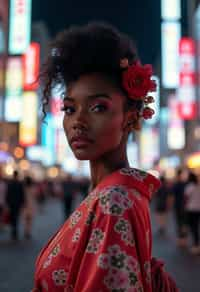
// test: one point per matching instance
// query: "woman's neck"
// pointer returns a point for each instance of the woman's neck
(105, 166)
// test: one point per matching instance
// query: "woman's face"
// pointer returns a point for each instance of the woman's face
(93, 117)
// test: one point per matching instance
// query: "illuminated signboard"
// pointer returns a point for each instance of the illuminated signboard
(171, 33)
(39, 153)
(13, 108)
(187, 79)
(14, 76)
(13, 84)
(28, 123)
(176, 130)
(149, 147)
(171, 9)
(48, 138)
(20, 26)
(31, 61)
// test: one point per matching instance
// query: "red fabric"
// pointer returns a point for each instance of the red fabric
(161, 280)
(105, 245)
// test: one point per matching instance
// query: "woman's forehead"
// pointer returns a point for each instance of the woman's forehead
(91, 84)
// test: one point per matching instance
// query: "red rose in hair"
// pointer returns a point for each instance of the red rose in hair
(136, 80)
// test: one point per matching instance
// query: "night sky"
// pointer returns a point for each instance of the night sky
(138, 18)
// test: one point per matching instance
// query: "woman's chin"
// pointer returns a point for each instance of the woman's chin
(82, 155)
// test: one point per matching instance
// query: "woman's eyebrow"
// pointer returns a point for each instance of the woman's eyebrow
(99, 95)
(67, 98)
(92, 96)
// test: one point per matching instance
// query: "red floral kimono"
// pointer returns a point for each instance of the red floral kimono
(105, 245)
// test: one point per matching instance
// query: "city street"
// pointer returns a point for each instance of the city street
(17, 260)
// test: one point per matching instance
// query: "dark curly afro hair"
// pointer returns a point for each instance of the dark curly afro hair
(94, 48)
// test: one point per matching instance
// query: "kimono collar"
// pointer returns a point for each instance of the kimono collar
(143, 182)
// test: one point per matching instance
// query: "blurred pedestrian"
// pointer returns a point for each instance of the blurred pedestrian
(29, 206)
(15, 201)
(42, 187)
(69, 192)
(179, 207)
(161, 204)
(192, 206)
(105, 245)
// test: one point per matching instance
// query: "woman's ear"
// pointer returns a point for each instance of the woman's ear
(131, 120)
(128, 120)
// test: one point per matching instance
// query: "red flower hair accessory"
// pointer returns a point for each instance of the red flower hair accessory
(137, 82)
(147, 113)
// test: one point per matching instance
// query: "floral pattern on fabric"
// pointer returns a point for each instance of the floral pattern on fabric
(54, 253)
(95, 241)
(106, 255)
(123, 227)
(76, 235)
(123, 270)
(74, 218)
(136, 173)
(59, 277)
(114, 200)
(90, 218)
(88, 200)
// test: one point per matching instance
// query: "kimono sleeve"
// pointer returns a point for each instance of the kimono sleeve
(111, 261)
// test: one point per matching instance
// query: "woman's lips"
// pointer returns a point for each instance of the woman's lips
(81, 142)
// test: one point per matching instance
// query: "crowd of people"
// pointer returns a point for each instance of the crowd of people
(22, 198)
(182, 197)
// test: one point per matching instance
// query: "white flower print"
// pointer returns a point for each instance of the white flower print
(136, 173)
(117, 279)
(96, 239)
(59, 277)
(123, 227)
(76, 235)
(114, 200)
(132, 264)
(104, 261)
(90, 218)
(47, 262)
(123, 270)
(54, 253)
(74, 218)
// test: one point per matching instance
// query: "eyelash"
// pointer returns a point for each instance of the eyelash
(66, 108)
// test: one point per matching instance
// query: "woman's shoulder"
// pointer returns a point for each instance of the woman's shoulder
(127, 179)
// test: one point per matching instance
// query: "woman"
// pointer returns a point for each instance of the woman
(192, 207)
(105, 245)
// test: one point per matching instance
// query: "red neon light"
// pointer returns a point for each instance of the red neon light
(31, 62)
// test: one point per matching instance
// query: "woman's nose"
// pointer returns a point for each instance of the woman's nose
(81, 120)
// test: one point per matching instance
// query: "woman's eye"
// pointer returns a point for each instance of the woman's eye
(99, 108)
(68, 110)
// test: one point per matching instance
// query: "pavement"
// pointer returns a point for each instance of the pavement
(17, 259)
